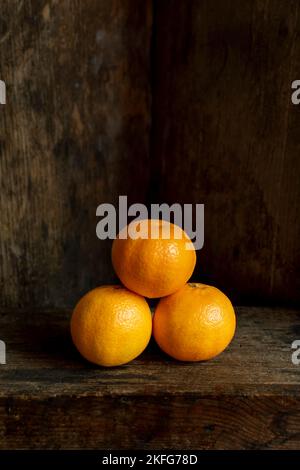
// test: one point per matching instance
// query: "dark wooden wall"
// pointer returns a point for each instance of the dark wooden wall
(85, 80)
(226, 134)
(74, 134)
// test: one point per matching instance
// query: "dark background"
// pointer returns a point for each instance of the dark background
(163, 101)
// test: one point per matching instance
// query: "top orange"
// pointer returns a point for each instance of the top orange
(153, 257)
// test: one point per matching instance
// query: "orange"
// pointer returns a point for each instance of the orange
(111, 325)
(157, 263)
(194, 324)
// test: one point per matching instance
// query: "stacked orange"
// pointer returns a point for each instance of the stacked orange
(111, 325)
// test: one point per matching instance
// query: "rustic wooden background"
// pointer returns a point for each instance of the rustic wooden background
(160, 100)
(74, 134)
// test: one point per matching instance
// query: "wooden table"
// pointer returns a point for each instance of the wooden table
(247, 398)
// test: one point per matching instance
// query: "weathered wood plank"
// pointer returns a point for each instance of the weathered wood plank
(74, 134)
(227, 135)
(151, 423)
(246, 398)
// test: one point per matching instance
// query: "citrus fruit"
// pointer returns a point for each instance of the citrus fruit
(111, 325)
(153, 257)
(194, 324)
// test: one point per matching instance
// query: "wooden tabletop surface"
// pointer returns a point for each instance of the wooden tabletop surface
(248, 397)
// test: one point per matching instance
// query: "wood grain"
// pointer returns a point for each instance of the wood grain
(226, 134)
(74, 134)
(247, 398)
